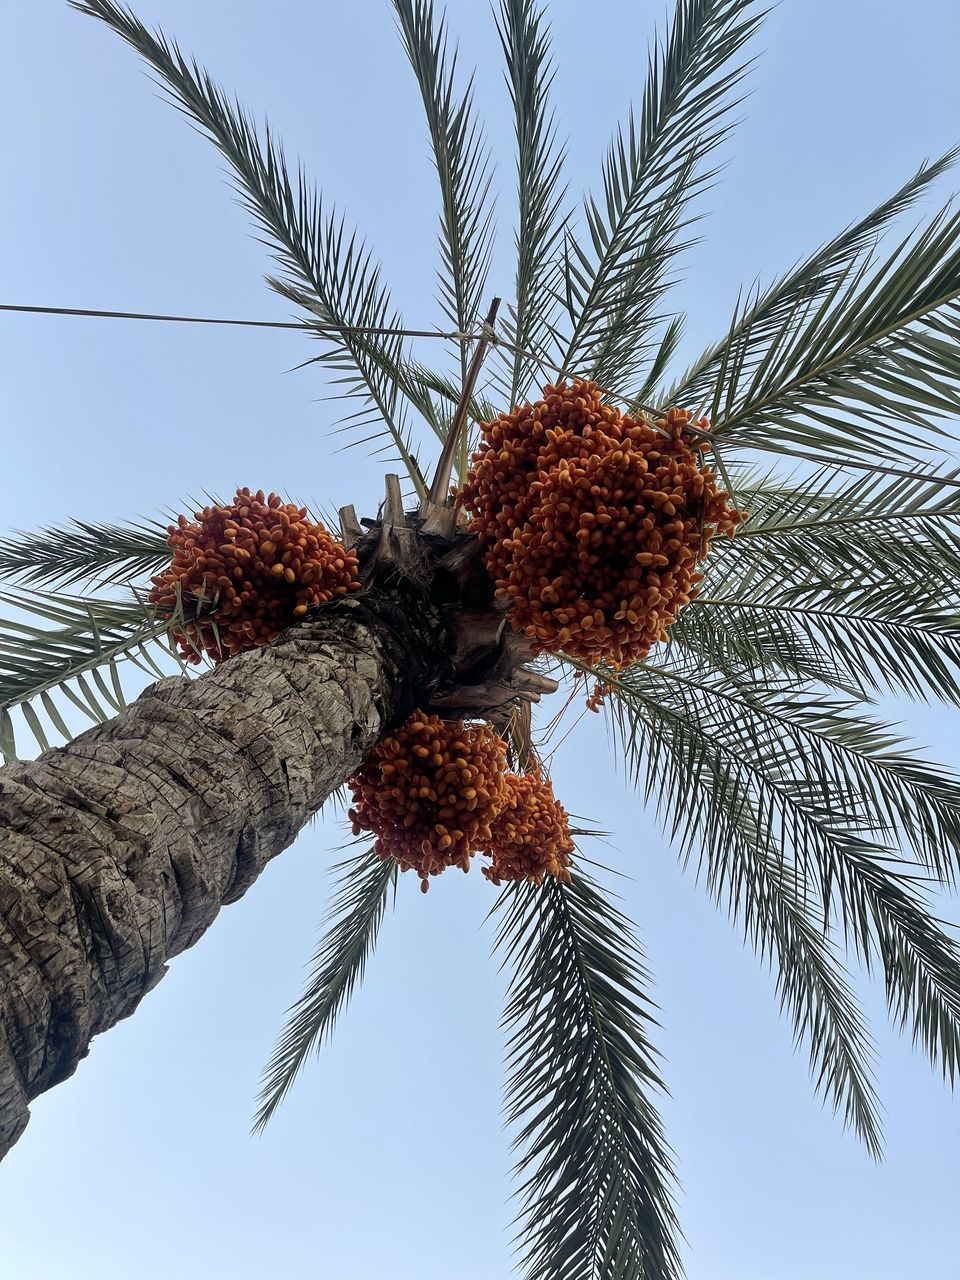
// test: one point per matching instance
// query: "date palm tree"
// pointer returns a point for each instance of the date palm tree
(818, 829)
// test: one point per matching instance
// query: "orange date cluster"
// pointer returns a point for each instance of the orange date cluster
(245, 572)
(430, 791)
(435, 792)
(530, 837)
(594, 521)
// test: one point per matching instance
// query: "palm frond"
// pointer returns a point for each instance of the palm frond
(327, 269)
(864, 766)
(360, 897)
(81, 550)
(920, 961)
(850, 636)
(647, 391)
(746, 874)
(652, 171)
(596, 1176)
(764, 643)
(462, 162)
(871, 367)
(479, 408)
(525, 39)
(77, 653)
(417, 381)
(758, 322)
(834, 794)
(852, 586)
(864, 525)
(902, 532)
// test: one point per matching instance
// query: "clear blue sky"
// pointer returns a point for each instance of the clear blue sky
(389, 1159)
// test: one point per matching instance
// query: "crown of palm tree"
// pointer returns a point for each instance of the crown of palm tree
(819, 830)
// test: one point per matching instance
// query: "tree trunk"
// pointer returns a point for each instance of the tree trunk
(118, 850)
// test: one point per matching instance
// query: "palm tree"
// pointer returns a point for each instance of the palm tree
(811, 822)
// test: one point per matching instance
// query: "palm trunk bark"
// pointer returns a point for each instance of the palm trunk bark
(118, 850)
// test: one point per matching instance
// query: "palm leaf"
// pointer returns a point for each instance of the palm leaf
(78, 658)
(327, 268)
(81, 550)
(829, 794)
(652, 171)
(870, 367)
(885, 531)
(596, 1177)
(647, 391)
(882, 528)
(360, 898)
(525, 40)
(746, 874)
(847, 635)
(852, 586)
(463, 166)
(757, 323)
(862, 576)
(864, 767)
(479, 408)
(764, 643)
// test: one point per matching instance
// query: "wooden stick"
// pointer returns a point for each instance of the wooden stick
(397, 544)
(437, 496)
(351, 530)
(393, 514)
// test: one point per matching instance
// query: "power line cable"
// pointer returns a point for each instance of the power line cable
(483, 331)
(538, 358)
(257, 324)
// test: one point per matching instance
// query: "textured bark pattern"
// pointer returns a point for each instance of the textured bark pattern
(117, 851)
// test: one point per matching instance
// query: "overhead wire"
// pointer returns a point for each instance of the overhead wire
(452, 336)
(311, 325)
(482, 331)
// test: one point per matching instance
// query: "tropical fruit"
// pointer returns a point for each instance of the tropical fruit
(244, 572)
(429, 791)
(594, 521)
(530, 837)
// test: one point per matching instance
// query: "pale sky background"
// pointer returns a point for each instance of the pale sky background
(389, 1159)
